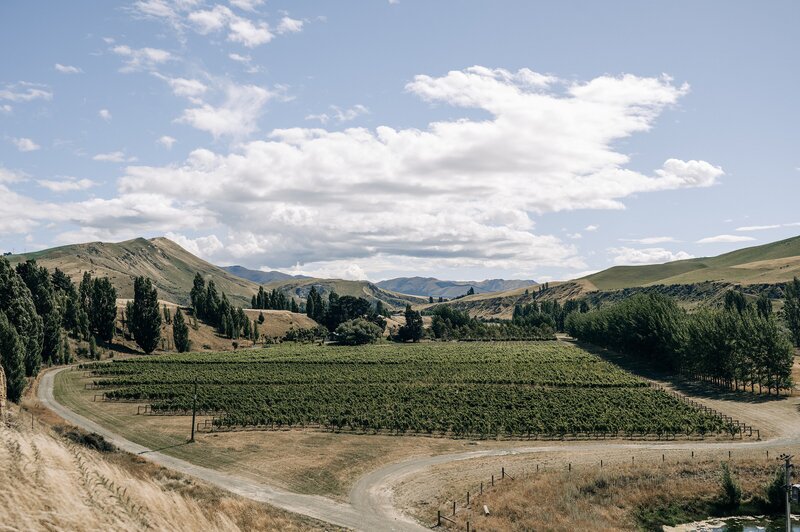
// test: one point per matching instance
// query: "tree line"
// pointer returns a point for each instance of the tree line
(213, 307)
(737, 346)
(273, 300)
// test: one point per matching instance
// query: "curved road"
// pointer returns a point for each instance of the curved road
(371, 505)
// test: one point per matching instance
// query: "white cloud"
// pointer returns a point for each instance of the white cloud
(236, 116)
(591, 228)
(626, 255)
(240, 29)
(167, 141)
(204, 247)
(650, 240)
(341, 115)
(192, 89)
(10, 176)
(66, 185)
(240, 58)
(141, 58)
(25, 92)
(5, 108)
(246, 5)
(459, 192)
(766, 227)
(67, 69)
(725, 238)
(113, 157)
(575, 236)
(289, 25)
(105, 114)
(25, 144)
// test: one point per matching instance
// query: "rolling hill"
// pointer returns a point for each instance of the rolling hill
(171, 267)
(772, 263)
(429, 286)
(693, 282)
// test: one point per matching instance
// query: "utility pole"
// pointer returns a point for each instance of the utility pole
(787, 461)
(194, 409)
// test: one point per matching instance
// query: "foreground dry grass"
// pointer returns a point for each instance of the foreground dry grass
(48, 482)
(623, 497)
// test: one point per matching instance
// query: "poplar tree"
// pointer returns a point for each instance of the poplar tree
(145, 315)
(180, 332)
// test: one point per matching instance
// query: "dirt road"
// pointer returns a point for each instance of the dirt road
(372, 505)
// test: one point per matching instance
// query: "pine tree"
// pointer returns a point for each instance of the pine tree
(294, 307)
(198, 295)
(12, 359)
(180, 332)
(145, 317)
(256, 334)
(167, 315)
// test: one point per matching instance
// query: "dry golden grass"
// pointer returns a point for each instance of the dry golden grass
(50, 483)
(607, 499)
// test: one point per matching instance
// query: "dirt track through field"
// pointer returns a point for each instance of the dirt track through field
(372, 499)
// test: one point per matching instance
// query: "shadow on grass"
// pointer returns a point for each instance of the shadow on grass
(679, 383)
(165, 448)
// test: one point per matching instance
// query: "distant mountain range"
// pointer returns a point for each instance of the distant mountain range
(429, 286)
(261, 277)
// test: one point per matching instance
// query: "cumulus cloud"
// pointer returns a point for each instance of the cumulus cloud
(25, 144)
(591, 228)
(236, 116)
(105, 114)
(725, 239)
(68, 184)
(67, 69)
(141, 58)
(204, 247)
(10, 176)
(167, 141)
(457, 193)
(626, 255)
(240, 29)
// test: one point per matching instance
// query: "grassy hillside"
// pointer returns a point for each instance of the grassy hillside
(693, 282)
(776, 262)
(171, 267)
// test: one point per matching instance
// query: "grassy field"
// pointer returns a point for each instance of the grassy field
(56, 480)
(462, 390)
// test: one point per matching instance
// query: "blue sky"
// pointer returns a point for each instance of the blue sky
(374, 139)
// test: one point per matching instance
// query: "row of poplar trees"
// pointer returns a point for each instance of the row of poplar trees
(740, 345)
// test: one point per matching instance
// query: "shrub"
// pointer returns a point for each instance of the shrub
(357, 332)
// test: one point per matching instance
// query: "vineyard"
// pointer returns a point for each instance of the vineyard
(479, 390)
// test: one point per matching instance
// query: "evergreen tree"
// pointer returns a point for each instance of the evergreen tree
(93, 353)
(412, 330)
(256, 334)
(167, 315)
(145, 317)
(471, 291)
(735, 300)
(791, 309)
(180, 332)
(764, 305)
(17, 302)
(66, 352)
(12, 359)
(103, 309)
(294, 307)
(430, 299)
(260, 317)
(38, 281)
(198, 295)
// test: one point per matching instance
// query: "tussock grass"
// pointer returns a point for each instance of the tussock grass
(50, 482)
